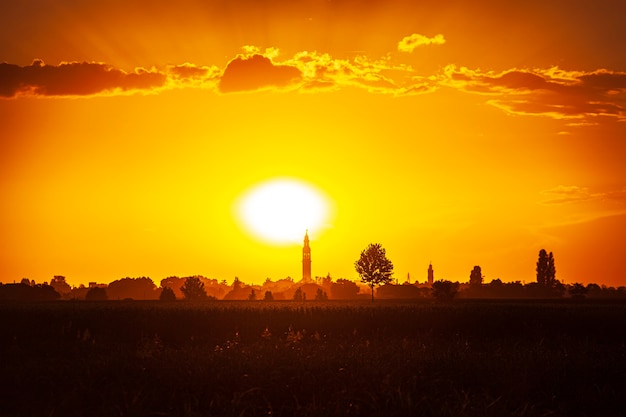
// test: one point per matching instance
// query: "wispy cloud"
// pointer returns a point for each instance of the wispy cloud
(322, 71)
(415, 40)
(574, 194)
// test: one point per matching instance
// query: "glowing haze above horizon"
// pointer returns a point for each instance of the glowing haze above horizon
(138, 138)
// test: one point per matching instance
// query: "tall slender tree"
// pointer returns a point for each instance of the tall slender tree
(542, 268)
(551, 271)
(373, 266)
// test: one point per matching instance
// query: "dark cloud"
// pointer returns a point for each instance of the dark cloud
(519, 79)
(604, 80)
(551, 92)
(255, 72)
(72, 79)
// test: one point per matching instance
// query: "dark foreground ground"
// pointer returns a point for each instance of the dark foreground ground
(468, 358)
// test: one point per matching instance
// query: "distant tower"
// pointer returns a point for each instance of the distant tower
(306, 259)
(431, 274)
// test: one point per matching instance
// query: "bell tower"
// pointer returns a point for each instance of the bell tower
(306, 259)
(431, 274)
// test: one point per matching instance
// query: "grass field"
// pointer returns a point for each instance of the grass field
(467, 358)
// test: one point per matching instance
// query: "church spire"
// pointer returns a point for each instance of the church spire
(306, 259)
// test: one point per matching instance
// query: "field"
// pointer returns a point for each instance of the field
(467, 358)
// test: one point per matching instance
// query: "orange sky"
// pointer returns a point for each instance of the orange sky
(462, 134)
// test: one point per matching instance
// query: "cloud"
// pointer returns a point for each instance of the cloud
(409, 43)
(73, 79)
(189, 72)
(307, 71)
(567, 194)
(548, 92)
(189, 75)
(579, 98)
(254, 72)
(322, 71)
(574, 194)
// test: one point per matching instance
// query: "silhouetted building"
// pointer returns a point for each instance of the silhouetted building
(306, 259)
(431, 274)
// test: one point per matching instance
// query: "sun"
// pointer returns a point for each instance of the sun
(280, 210)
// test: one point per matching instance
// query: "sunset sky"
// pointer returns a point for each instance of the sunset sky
(453, 132)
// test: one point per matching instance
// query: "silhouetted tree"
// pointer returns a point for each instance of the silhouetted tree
(96, 294)
(141, 288)
(558, 289)
(373, 266)
(59, 285)
(321, 295)
(476, 277)
(344, 289)
(578, 291)
(405, 291)
(327, 281)
(542, 267)
(268, 296)
(167, 294)
(252, 296)
(299, 295)
(45, 292)
(546, 271)
(28, 292)
(551, 272)
(445, 290)
(193, 289)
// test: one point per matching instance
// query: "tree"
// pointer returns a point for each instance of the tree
(96, 294)
(542, 267)
(60, 285)
(167, 294)
(321, 295)
(193, 289)
(578, 291)
(344, 289)
(373, 266)
(476, 277)
(252, 296)
(546, 271)
(141, 288)
(445, 290)
(268, 296)
(551, 271)
(299, 295)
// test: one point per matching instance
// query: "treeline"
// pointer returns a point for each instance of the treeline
(200, 288)
(188, 288)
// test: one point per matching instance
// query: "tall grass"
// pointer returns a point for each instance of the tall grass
(466, 358)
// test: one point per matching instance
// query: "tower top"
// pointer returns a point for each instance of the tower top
(306, 259)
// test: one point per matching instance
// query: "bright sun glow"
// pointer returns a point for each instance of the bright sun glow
(280, 210)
